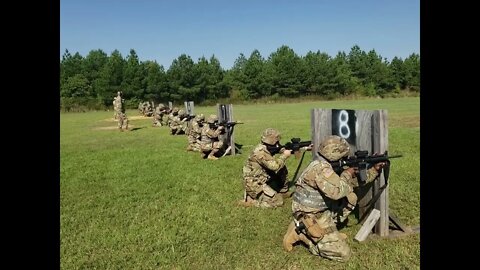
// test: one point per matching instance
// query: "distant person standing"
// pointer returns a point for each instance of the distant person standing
(120, 110)
(115, 109)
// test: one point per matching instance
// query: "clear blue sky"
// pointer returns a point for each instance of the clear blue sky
(162, 30)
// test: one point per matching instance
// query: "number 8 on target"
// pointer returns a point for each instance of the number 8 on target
(343, 125)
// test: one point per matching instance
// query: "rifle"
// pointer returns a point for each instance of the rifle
(188, 117)
(228, 127)
(228, 124)
(294, 144)
(363, 161)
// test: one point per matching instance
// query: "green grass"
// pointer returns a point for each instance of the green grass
(138, 200)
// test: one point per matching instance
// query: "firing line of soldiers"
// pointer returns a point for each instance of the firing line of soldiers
(205, 135)
(323, 198)
(145, 108)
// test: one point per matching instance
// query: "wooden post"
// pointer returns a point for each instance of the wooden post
(380, 145)
(189, 107)
(225, 114)
(364, 130)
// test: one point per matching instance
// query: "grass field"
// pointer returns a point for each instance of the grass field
(138, 200)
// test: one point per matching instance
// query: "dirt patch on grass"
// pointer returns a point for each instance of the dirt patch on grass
(136, 117)
(111, 127)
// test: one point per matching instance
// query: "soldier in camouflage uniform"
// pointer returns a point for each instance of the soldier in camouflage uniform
(120, 108)
(165, 112)
(178, 124)
(172, 115)
(210, 144)
(140, 107)
(158, 115)
(115, 113)
(194, 132)
(264, 176)
(148, 109)
(117, 104)
(323, 200)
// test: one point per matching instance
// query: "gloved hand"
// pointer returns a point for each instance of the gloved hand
(352, 199)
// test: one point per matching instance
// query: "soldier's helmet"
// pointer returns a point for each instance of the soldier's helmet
(200, 117)
(175, 110)
(334, 148)
(212, 119)
(271, 136)
(181, 112)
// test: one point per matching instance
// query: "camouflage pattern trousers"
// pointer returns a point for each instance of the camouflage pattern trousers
(122, 121)
(265, 201)
(333, 245)
(157, 120)
(193, 144)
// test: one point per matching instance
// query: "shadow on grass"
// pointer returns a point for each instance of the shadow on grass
(136, 128)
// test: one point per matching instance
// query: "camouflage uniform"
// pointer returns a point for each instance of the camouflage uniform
(117, 105)
(158, 115)
(264, 175)
(178, 124)
(194, 133)
(140, 108)
(172, 115)
(323, 199)
(148, 110)
(122, 116)
(115, 114)
(210, 144)
(165, 111)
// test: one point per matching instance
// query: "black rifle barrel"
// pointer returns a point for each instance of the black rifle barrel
(296, 145)
(353, 161)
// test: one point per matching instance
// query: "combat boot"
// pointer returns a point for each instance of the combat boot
(284, 189)
(248, 202)
(212, 157)
(290, 237)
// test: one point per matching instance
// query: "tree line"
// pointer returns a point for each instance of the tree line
(92, 81)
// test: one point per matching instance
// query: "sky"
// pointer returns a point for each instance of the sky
(162, 30)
